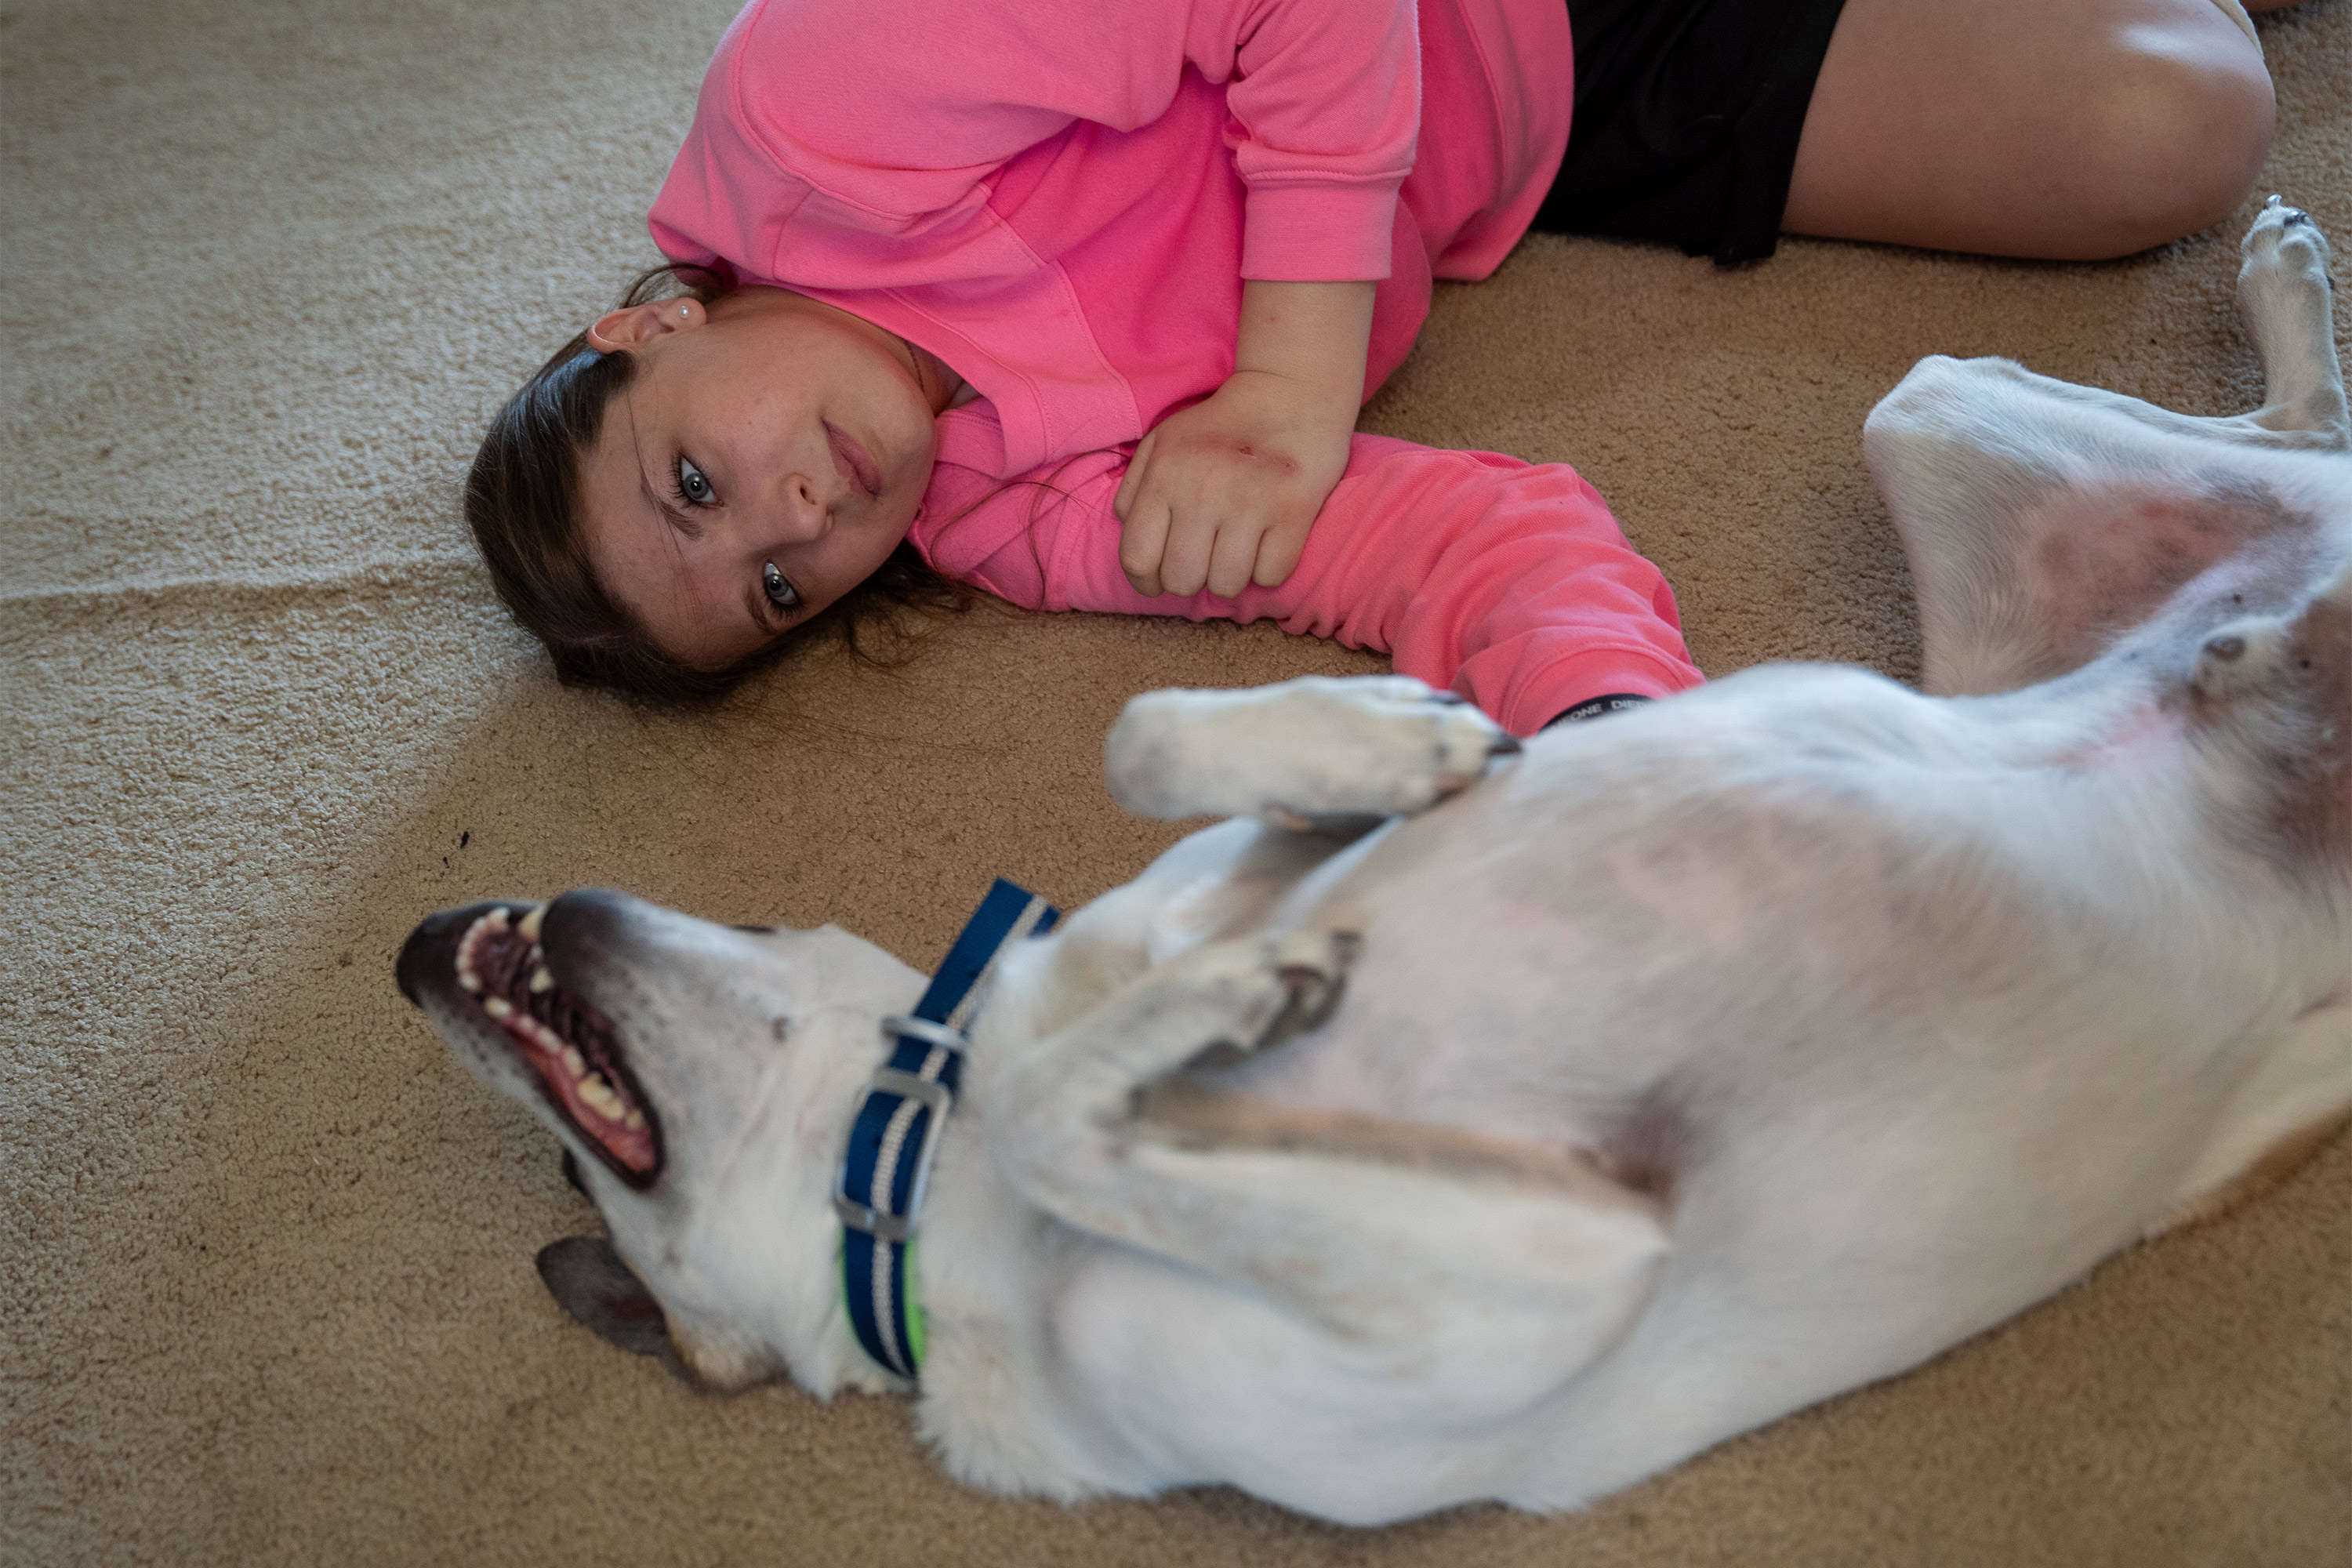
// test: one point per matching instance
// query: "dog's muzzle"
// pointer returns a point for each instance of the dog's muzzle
(495, 955)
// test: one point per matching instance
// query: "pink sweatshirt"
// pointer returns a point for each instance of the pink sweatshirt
(1061, 199)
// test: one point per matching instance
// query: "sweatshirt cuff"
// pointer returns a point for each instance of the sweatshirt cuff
(1320, 234)
(1553, 692)
(1600, 706)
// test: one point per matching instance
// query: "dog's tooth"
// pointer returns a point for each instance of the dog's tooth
(529, 925)
(498, 918)
(468, 980)
(573, 1063)
(498, 1007)
(598, 1093)
(635, 1121)
(541, 980)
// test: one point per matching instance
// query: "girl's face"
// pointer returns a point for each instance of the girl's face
(769, 453)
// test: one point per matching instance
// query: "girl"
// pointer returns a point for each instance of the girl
(1077, 303)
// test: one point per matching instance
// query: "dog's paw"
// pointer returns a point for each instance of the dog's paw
(1302, 754)
(1312, 967)
(2284, 250)
(2284, 233)
(1259, 991)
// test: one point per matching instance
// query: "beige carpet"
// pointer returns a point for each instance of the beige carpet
(267, 1251)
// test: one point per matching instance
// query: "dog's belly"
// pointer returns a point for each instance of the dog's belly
(1910, 956)
(1599, 936)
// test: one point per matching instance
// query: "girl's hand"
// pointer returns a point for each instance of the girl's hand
(1221, 494)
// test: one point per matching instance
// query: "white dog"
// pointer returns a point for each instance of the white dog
(1692, 1065)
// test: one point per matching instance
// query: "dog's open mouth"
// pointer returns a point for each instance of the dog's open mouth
(565, 1041)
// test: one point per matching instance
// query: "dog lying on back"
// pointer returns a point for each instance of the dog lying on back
(1464, 1122)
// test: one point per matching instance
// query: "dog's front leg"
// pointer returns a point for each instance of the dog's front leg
(1379, 1235)
(1316, 752)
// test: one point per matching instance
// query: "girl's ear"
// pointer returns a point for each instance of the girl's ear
(642, 323)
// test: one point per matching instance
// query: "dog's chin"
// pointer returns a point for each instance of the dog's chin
(567, 1050)
(722, 1365)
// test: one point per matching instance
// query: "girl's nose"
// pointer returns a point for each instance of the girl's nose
(800, 511)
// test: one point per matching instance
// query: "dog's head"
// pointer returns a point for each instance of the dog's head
(703, 1077)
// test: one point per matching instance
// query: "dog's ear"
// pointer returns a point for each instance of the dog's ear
(589, 1281)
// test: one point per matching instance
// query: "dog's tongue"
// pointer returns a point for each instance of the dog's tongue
(630, 1146)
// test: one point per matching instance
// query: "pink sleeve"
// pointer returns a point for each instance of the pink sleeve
(852, 145)
(1507, 582)
(1326, 116)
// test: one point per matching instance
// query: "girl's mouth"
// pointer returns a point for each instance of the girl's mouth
(855, 463)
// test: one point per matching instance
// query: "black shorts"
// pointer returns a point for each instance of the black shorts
(1687, 119)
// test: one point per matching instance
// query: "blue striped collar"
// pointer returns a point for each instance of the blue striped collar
(902, 1113)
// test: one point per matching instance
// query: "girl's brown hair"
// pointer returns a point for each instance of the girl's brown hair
(522, 500)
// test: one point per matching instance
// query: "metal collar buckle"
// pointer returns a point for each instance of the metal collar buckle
(932, 1095)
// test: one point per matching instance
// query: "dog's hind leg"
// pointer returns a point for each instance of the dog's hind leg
(1366, 1230)
(2285, 299)
(1316, 752)
(2286, 1110)
(2041, 519)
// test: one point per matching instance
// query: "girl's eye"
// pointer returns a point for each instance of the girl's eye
(692, 483)
(780, 593)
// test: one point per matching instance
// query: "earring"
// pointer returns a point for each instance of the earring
(682, 310)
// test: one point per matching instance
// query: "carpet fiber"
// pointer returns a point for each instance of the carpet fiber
(267, 1250)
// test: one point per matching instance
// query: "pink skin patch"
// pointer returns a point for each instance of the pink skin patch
(2134, 736)
(2171, 561)
(2100, 561)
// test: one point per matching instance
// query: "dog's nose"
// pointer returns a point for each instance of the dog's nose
(587, 923)
(412, 954)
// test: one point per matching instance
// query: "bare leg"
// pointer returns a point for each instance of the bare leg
(2068, 128)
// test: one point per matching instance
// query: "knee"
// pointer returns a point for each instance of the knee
(2172, 138)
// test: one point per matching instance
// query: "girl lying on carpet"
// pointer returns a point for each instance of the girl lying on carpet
(1077, 303)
